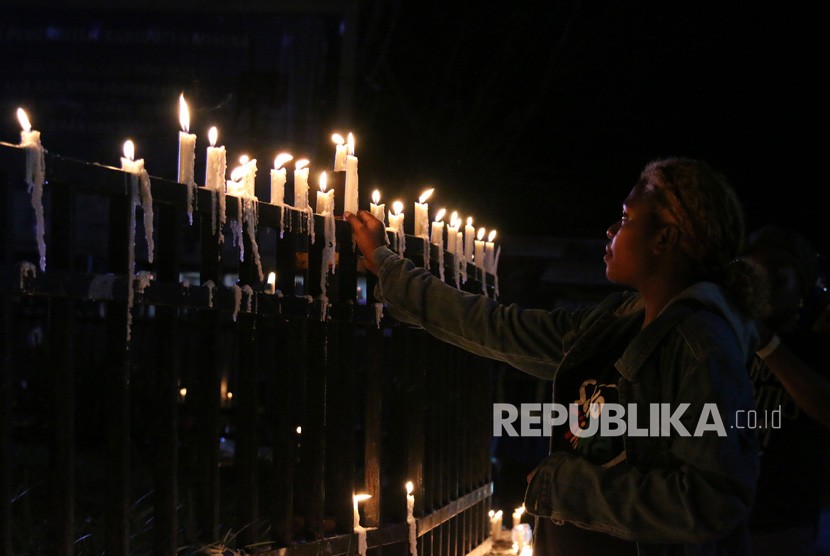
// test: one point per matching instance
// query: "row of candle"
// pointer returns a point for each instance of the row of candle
(468, 245)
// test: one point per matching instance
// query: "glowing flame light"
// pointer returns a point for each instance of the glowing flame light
(440, 215)
(213, 135)
(480, 234)
(454, 221)
(360, 498)
(337, 139)
(244, 159)
(425, 195)
(184, 114)
(323, 182)
(409, 487)
(272, 278)
(397, 207)
(281, 159)
(376, 196)
(300, 164)
(470, 221)
(351, 144)
(237, 173)
(129, 150)
(24, 120)
(491, 236)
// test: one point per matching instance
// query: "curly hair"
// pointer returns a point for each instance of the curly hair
(700, 202)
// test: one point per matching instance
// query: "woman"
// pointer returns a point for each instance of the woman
(678, 488)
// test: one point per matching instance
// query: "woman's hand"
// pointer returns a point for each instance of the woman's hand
(369, 233)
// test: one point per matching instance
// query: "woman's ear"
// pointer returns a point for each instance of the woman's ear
(666, 238)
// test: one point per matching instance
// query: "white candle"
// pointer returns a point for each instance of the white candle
(478, 257)
(187, 156)
(339, 152)
(422, 215)
(301, 184)
(469, 237)
(361, 531)
(377, 208)
(249, 179)
(437, 234)
(35, 178)
(490, 253)
(325, 199)
(410, 519)
(278, 178)
(216, 163)
(452, 232)
(517, 516)
(143, 192)
(495, 524)
(215, 177)
(396, 225)
(272, 282)
(350, 200)
(325, 206)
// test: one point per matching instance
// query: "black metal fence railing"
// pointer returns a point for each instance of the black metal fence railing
(232, 416)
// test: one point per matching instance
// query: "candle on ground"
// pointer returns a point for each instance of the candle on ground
(339, 152)
(301, 184)
(278, 179)
(478, 256)
(377, 208)
(35, 178)
(187, 156)
(410, 519)
(350, 200)
(495, 524)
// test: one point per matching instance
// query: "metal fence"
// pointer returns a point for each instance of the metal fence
(162, 415)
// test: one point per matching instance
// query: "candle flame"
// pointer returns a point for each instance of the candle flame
(480, 234)
(351, 144)
(440, 215)
(470, 221)
(184, 114)
(519, 511)
(300, 164)
(244, 159)
(129, 150)
(499, 513)
(337, 138)
(323, 181)
(281, 159)
(425, 195)
(376, 196)
(299, 430)
(492, 514)
(272, 278)
(361, 497)
(491, 236)
(229, 395)
(409, 487)
(24, 120)
(454, 218)
(183, 392)
(213, 135)
(397, 206)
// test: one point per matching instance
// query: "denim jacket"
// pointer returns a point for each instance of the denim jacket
(673, 494)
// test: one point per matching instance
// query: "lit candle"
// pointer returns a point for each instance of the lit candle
(339, 152)
(35, 178)
(236, 185)
(361, 531)
(517, 519)
(249, 179)
(490, 253)
(378, 210)
(438, 229)
(140, 190)
(301, 184)
(272, 282)
(478, 257)
(452, 231)
(469, 237)
(187, 156)
(325, 199)
(410, 519)
(396, 225)
(495, 524)
(422, 215)
(278, 178)
(350, 200)
(215, 178)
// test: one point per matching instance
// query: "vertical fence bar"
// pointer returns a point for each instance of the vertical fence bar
(284, 393)
(62, 370)
(313, 448)
(6, 349)
(373, 421)
(167, 376)
(117, 383)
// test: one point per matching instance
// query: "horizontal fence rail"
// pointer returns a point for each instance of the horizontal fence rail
(185, 405)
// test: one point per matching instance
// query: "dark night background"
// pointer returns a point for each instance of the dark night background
(534, 117)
